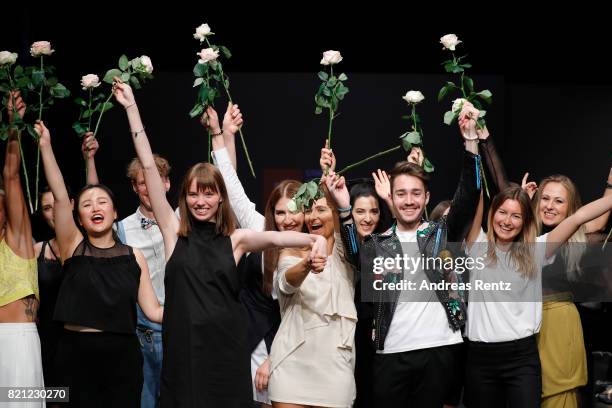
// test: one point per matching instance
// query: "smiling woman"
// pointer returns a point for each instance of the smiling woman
(104, 280)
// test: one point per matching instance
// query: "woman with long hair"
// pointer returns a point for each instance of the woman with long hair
(206, 358)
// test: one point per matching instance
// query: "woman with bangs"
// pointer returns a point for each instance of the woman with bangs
(206, 358)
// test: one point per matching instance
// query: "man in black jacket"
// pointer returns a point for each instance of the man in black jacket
(413, 334)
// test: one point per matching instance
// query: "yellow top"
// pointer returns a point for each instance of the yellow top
(18, 276)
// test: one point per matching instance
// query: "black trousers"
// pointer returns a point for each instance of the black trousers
(418, 378)
(506, 374)
(101, 369)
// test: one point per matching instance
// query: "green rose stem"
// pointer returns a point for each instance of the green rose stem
(25, 170)
(246, 151)
(89, 130)
(40, 109)
(331, 113)
(359, 163)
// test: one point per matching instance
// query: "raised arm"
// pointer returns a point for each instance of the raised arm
(338, 191)
(242, 206)
(492, 160)
(89, 148)
(476, 224)
(66, 232)
(465, 200)
(18, 227)
(164, 214)
(570, 225)
(600, 222)
(146, 295)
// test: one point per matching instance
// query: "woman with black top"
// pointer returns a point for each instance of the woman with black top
(206, 358)
(98, 354)
(50, 273)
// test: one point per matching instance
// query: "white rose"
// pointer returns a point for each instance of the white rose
(413, 97)
(458, 105)
(331, 57)
(7, 58)
(41, 48)
(146, 64)
(201, 32)
(90, 81)
(450, 41)
(207, 54)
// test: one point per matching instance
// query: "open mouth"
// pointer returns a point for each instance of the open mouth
(201, 211)
(316, 227)
(505, 229)
(97, 219)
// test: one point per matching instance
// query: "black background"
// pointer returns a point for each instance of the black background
(549, 75)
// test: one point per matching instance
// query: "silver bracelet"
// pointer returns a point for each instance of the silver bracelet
(129, 106)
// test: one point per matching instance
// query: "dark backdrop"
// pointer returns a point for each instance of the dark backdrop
(550, 84)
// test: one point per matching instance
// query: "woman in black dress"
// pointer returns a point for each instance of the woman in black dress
(206, 357)
(98, 355)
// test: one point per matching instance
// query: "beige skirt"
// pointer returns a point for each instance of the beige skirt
(318, 372)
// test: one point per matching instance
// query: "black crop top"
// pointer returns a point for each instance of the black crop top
(100, 288)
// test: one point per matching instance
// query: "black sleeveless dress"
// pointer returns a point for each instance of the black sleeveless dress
(50, 275)
(206, 358)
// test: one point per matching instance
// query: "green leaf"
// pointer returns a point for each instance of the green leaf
(18, 71)
(332, 82)
(318, 110)
(89, 112)
(326, 92)
(427, 166)
(312, 188)
(413, 137)
(110, 74)
(38, 77)
(466, 65)
(342, 77)
(199, 70)
(482, 113)
(301, 190)
(196, 111)
(124, 63)
(59, 91)
(52, 81)
(4, 88)
(322, 101)
(405, 143)
(341, 91)
(456, 69)
(444, 90)
(323, 76)
(449, 117)
(198, 81)
(125, 77)
(449, 66)
(79, 129)
(225, 52)
(203, 94)
(226, 83)
(469, 84)
(22, 82)
(485, 95)
(135, 82)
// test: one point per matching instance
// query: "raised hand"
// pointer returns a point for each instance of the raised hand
(530, 187)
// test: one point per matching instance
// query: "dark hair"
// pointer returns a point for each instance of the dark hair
(439, 209)
(365, 188)
(409, 169)
(287, 189)
(88, 187)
